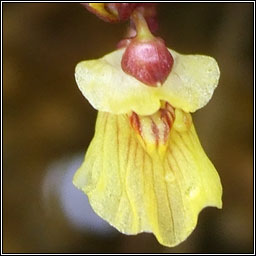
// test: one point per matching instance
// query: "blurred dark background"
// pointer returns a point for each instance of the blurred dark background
(48, 125)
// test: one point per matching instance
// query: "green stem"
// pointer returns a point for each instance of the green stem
(143, 32)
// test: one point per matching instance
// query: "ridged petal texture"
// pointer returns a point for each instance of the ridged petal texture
(139, 190)
(189, 86)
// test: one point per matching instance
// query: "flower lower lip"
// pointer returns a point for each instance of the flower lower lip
(139, 187)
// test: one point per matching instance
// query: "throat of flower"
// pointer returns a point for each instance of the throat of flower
(153, 131)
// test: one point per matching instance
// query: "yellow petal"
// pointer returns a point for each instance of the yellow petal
(189, 86)
(135, 190)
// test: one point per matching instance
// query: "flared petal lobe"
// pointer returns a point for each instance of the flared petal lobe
(136, 189)
(189, 86)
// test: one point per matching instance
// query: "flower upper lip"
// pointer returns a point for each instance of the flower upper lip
(189, 86)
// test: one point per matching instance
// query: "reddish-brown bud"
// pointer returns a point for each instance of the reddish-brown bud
(148, 61)
(146, 57)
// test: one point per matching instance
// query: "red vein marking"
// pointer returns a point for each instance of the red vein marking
(155, 131)
(135, 122)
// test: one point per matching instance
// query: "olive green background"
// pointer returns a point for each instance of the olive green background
(45, 118)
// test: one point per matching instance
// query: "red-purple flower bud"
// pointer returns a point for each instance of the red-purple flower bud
(148, 61)
(146, 57)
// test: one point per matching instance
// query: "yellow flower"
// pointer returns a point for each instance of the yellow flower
(145, 169)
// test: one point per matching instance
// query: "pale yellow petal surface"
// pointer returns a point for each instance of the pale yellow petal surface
(189, 86)
(138, 191)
